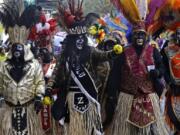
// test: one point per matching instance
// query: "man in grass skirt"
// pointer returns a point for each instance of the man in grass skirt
(22, 83)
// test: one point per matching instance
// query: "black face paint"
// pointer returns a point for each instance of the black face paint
(80, 41)
(178, 36)
(17, 51)
(139, 38)
(45, 55)
(17, 61)
(118, 38)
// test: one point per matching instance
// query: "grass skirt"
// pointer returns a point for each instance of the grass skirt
(176, 108)
(33, 122)
(86, 123)
(120, 126)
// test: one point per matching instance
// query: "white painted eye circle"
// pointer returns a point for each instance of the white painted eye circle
(19, 47)
(17, 54)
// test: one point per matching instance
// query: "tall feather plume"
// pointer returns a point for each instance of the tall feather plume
(70, 12)
(170, 14)
(140, 10)
(132, 9)
(154, 7)
(62, 11)
(11, 13)
(166, 16)
(142, 6)
(76, 8)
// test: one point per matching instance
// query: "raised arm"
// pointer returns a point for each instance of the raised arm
(99, 55)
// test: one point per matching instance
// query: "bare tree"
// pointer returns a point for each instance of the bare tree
(98, 6)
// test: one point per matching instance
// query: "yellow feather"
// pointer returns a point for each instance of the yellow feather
(171, 2)
(130, 10)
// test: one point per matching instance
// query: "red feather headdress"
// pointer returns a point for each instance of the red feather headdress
(72, 19)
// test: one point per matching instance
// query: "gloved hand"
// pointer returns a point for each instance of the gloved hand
(47, 97)
(153, 74)
(38, 105)
(118, 49)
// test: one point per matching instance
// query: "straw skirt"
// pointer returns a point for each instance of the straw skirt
(120, 126)
(87, 123)
(33, 122)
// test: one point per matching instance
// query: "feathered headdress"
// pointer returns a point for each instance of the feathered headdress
(141, 13)
(170, 14)
(134, 10)
(16, 20)
(167, 17)
(72, 19)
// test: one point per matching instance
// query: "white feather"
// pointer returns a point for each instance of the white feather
(142, 6)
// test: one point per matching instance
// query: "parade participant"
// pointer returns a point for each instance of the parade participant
(40, 41)
(170, 53)
(118, 38)
(21, 78)
(48, 63)
(106, 36)
(41, 33)
(76, 78)
(137, 71)
(172, 78)
(104, 43)
(137, 110)
(97, 32)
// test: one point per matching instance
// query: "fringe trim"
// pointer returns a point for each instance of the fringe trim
(144, 125)
(141, 126)
(170, 126)
(82, 124)
(120, 126)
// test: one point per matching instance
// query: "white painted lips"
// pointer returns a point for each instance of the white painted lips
(139, 41)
